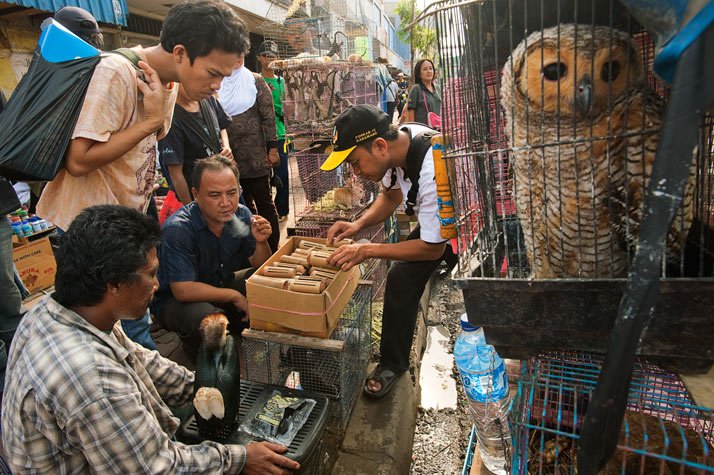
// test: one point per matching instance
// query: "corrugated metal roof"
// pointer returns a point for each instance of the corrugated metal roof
(107, 11)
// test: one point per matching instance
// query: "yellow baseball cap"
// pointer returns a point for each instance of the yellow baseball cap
(354, 126)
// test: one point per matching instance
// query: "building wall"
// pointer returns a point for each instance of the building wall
(18, 40)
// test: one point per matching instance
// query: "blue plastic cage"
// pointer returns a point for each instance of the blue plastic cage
(664, 432)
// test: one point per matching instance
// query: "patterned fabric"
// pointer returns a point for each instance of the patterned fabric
(249, 132)
(110, 106)
(79, 400)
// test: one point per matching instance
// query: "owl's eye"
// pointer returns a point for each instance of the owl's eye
(610, 71)
(554, 71)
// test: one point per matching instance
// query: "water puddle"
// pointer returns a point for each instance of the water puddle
(438, 388)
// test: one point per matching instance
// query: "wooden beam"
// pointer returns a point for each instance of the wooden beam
(335, 346)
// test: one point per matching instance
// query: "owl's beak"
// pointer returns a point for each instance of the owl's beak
(584, 95)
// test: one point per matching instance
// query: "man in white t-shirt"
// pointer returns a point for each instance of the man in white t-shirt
(378, 151)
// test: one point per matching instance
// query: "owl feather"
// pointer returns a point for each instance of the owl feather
(584, 130)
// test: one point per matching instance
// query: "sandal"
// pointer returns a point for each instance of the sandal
(386, 379)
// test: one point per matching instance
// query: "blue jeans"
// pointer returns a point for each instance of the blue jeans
(139, 331)
(282, 195)
(10, 299)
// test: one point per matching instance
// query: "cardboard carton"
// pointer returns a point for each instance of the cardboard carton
(35, 263)
(315, 315)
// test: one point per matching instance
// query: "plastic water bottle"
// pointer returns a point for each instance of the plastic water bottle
(483, 375)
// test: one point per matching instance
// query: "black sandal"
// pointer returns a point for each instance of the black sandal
(386, 379)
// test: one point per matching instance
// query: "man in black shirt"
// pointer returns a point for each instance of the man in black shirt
(10, 299)
(198, 131)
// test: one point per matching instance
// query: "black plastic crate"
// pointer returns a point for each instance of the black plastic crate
(306, 448)
(542, 315)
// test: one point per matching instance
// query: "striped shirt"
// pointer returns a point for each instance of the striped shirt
(78, 400)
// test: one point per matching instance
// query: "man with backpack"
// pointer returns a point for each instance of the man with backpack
(112, 155)
(401, 158)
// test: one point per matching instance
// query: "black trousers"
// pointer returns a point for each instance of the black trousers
(406, 281)
(185, 318)
(259, 198)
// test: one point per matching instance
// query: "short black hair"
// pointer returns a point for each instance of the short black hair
(203, 26)
(105, 244)
(417, 69)
(391, 134)
(214, 162)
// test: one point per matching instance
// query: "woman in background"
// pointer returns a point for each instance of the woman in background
(425, 96)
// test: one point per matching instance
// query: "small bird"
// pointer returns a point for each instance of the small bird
(217, 396)
(584, 129)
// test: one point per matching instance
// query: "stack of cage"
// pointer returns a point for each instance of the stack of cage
(663, 432)
(320, 198)
(550, 134)
(325, 50)
(335, 368)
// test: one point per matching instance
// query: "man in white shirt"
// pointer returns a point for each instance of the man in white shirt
(378, 151)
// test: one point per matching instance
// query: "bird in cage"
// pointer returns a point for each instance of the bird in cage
(584, 128)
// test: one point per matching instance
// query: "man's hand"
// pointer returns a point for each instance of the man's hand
(349, 255)
(341, 230)
(227, 152)
(273, 157)
(153, 92)
(240, 302)
(260, 227)
(264, 457)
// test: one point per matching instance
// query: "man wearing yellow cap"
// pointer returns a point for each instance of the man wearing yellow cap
(377, 151)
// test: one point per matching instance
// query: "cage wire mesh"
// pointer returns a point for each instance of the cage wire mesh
(335, 374)
(325, 49)
(551, 115)
(324, 197)
(663, 431)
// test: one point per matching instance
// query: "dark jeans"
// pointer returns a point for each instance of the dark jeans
(258, 196)
(139, 331)
(390, 110)
(406, 281)
(185, 318)
(282, 195)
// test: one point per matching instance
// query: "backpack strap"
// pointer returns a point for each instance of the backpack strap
(418, 148)
(129, 54)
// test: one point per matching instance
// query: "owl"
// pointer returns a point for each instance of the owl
(583, 129)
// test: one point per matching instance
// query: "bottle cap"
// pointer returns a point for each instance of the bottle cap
(466, 326)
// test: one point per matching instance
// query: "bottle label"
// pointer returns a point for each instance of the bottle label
(486, 386)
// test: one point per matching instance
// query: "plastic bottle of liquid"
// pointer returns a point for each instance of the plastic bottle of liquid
(483, 375)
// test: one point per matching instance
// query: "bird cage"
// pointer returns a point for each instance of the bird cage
(325, 197)
(551, 117)
(335, 367)
(325, 50)
(663, 432)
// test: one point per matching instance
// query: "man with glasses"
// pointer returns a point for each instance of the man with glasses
(208, 249)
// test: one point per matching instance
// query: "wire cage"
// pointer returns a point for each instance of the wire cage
(551, 117)
(319, 28)
(336, 371)
(325, 197)
(325, 49)
(663, 432)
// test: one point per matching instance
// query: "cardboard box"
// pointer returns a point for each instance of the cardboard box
(282, 311)
(35, 263)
